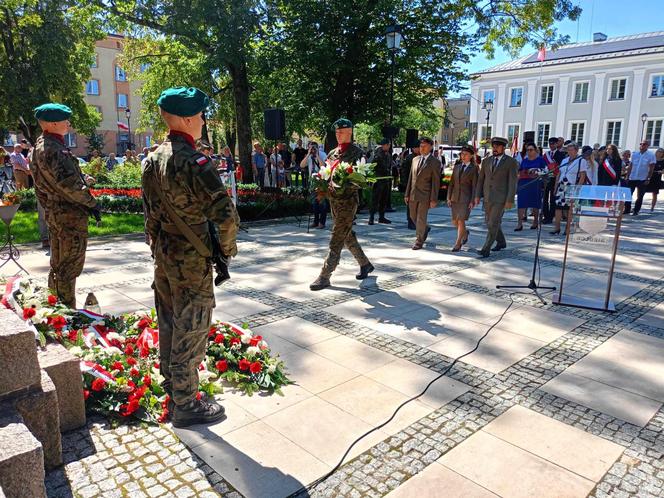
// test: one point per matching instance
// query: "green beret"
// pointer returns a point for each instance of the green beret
(183, 101)
(52, 112)
(342, 123)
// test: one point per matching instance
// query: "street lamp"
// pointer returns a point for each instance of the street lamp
(488, 106)
(393, 40)
(128, 114)
(644, 118)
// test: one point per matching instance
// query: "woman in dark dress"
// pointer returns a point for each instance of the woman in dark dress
(461, 191)
(530, 187)
(609, 169)
(656, 184)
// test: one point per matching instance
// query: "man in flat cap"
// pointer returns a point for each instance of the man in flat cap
(62, 191)
(381, 190)
(497, 186)
(182, 191)
(422, 190)
(344, 204)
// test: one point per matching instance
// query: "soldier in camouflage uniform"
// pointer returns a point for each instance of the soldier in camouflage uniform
(381, 190)
(184, 296)
(61, 190)
(344, 206)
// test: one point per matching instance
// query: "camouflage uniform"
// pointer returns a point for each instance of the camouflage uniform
(182, 285)
(60, 188)
(344, 206)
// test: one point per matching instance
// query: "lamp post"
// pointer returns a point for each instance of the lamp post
(488, 106)
(644, 118)
(393, 40)
(128, 114)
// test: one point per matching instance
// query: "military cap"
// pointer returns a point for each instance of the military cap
(183, 101)
(499, 140)
(342, 123)
(384, 141)
(468, 148)
(427, 140)
(52, 112)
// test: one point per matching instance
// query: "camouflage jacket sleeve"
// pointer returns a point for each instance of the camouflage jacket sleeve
(151, 221)
(216, 204)
(67, 177)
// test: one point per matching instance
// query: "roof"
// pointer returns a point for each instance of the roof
(622, 46)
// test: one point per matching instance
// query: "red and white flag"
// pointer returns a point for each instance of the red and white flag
(123, 126)
(515, 145)
(541, 54)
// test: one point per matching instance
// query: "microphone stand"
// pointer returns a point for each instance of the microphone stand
(532, 285)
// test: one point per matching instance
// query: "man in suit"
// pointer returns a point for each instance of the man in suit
(422, 190)
(404, 175)
(497, 186)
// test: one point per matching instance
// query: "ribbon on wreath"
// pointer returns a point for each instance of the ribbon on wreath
(96, 370)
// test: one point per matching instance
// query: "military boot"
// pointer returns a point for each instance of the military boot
(197, 412)
(364, 271)
(320, 283)
(371, 219)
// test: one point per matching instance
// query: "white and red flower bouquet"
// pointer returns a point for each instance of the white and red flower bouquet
(339, 176)
(120, 354)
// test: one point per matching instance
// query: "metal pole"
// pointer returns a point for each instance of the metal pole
(486, 131)
(643, 129)
(392, 92)
(129, 131)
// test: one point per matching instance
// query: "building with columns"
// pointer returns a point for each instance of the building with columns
(610, 90)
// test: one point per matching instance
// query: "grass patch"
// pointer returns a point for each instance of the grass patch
(24, 226)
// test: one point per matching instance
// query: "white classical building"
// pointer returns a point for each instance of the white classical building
(593, 92)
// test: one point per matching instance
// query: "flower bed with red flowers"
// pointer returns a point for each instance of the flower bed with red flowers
(120, 354)
(135, 193)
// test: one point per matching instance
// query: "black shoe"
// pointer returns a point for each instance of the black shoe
(555, 232)
(465, 240)
(364, 271)
(518, 229)
(197, 412)
(371, 219)
(483, 254)
(319, 283)
(498, 247)
(390, 210)
(384, 220)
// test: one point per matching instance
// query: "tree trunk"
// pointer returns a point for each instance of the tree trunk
(240, 82)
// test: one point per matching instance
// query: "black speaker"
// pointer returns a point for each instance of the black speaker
(275, 124)
(412, 138)
(528, 136)
(390, 131)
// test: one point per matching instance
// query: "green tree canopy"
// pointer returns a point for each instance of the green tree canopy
(46, 50)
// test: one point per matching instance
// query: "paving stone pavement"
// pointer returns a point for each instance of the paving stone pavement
(134, 461)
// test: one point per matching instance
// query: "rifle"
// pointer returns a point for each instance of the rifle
(219, 261)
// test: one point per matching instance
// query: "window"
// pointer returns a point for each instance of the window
(120, 74)
(577, 130)
(9, 139)
(445, 138)
(512, 131)
(657, 87)
(466, 111)
(580, 92)
(654, 132)
(613, 129)
(122, 100)
(95, 62)
(516, 96)
(98, 109)
(70, 139)
(488, 95)
(486, 132)
(92, 87)
(546, 95)
(618, 89)
(543, 131)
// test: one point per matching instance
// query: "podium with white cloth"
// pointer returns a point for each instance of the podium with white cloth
(593, 230)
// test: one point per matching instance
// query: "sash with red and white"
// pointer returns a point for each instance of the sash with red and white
(609, 169)
(550, 163)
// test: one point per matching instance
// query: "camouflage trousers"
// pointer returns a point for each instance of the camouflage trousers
(184, 299)
(69, 240)
(343, 211)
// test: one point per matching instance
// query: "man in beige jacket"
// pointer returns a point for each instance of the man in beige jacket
(422, 189)
(497, 186)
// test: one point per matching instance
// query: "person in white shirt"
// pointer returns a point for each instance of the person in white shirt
(573, 171)
(639, 173)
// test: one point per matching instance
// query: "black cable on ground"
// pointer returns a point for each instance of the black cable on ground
(441, 375)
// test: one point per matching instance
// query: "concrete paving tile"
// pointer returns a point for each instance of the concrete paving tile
(550, 439)
(263, 404)
(314, 372)
(536, 323)
(619, 403)
(472, 306)
(516, 473)
(351, 354)
(298, 331)
(437, 480)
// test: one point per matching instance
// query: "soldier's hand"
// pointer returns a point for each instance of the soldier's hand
(508, 205)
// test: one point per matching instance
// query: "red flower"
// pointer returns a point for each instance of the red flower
(349, 170)
(164, 403)
(235, 340)
(244, 365)
(86, 394)
(221, 365)
(131, 384)
(132, 361)
(129, 350)
(256, 367)
(143, 323)
(52, 300)
(73, 335)
(134, 372)
(28, 313)
(58, 322)
(144, 353)
(255, 340)
(156, 365)
(129, 408)
(147, 381)
(164, 416)
(212, 331)
(219, 339)
(117, 365)
(98, 384)
(199, 395)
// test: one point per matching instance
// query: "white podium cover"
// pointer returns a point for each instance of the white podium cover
(600, 193)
